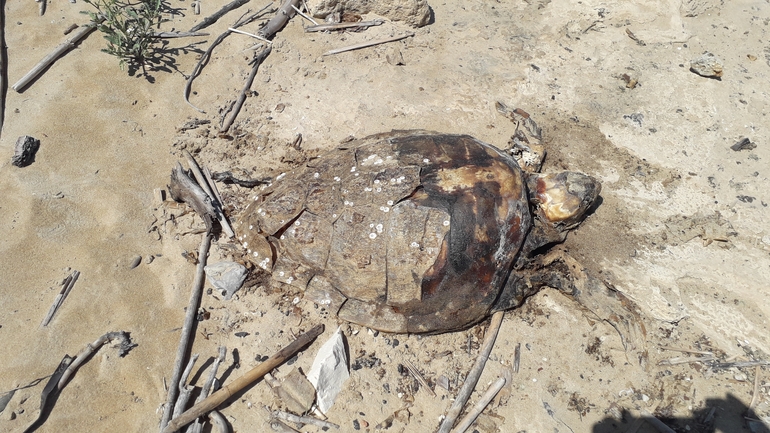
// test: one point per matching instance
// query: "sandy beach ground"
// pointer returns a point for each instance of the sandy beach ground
(683, 228)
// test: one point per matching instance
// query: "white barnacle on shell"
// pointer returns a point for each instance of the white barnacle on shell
(284, 236)
(384, 208)
(367, 189)
(336, 178)
(446, 223)
(256, 254)
(289, 280)
(245, 244)
(376, 181)
(426, 160)
(379, 228)
(372, 235)
(390, 202)
(296, 223)
(316, 175)
(371, 226)
(251, 227)
(378, 162)
(280, 274)
(414, 245)
(352, 169)
(280, 176)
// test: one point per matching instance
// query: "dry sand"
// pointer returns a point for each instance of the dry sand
(683, 229)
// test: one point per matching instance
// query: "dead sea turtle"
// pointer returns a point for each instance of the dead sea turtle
(416, 231)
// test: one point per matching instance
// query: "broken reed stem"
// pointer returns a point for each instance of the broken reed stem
(187, 329)
(184, 390)
(207, 55)
(256, 373)
(218, 14)
(412, 369)
(474, 413)
(246, 87)
(677, 349)
(55, 54)
(286, 416)
(474, 374)
(171, 35)
(367, 44)
(69, 282)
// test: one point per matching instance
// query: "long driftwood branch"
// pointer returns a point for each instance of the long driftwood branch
(187, 329)
(256, 373)
(55, 54)
(207, 55)
(474, 374)
(235, 4)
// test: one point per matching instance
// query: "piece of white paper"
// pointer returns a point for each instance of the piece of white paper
(329, 371)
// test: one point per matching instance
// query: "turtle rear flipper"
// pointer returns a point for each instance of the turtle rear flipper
(564, 273)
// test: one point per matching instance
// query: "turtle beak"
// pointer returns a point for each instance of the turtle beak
(564, 198)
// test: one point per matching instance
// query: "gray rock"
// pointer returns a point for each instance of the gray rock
(412, 12)
(707, 65)
(226, 276)
(24, 153)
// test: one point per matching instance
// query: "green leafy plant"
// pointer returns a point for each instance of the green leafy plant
(129, 29)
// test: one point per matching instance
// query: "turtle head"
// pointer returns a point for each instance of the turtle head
(562, 199)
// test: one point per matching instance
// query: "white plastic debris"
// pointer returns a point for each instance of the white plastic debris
(329, 371)
(226, 276)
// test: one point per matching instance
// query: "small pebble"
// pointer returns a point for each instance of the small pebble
(135, 261)
(707, 65)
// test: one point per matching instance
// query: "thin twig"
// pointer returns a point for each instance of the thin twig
(679, 360)
(187, 329)
(368, 44)
(241, 32)
(343, 26)
(296, 9)
(171, 35)
(303, 419)
(474, 374)
(218, 14)
(207, 55)
(412, 369)
(3, 68)
(677, 349)
(214, 400)
(69, 282)
(54, 55)
(474, 413)
(258, 59)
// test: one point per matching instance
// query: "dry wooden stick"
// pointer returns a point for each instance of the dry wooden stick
(184, 390)
(280, 19)
(69, 282)
(197, 427)
(480, 406)
(247, 379)
(754, 396)
(235, 4)
(203, 182)
(171, 35)
(125, 346)
(218, 421)
(342, 26)
(55, 54)
(367, 44)
(296, 9)
(677, 349)
(189, 320)
(207, 55)
(258, 59)
(3, 68)
(474, 374)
